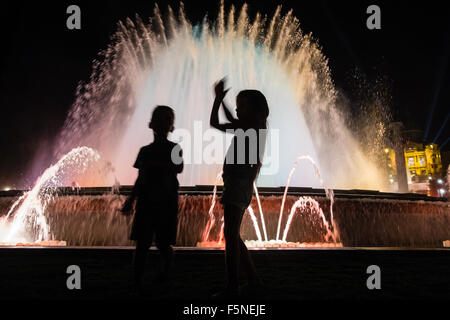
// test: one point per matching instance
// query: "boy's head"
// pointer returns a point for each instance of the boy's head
(162, 120)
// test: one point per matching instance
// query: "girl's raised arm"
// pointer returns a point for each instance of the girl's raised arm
(214, 119)
(228, 113)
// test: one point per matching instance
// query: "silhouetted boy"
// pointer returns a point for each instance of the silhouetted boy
(156, 190)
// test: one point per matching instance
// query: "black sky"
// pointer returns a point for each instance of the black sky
(42, 61)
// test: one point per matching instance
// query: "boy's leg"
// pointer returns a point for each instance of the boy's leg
(140, 258)
(232, 219)
(164, 237)
(167, 254)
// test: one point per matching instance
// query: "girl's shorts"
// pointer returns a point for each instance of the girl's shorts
(237, 191)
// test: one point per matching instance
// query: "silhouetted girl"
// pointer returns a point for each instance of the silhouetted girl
(240, 169)
(156, 190)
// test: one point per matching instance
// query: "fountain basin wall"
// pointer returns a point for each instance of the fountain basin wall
(95, 220)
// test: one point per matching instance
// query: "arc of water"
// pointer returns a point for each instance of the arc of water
(317, 172)
(305, 202)
(212, 219)
(32, 205)
(221, 233)
(260, 211)
(255, 223)
(15, 204)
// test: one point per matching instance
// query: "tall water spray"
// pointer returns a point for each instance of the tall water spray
(170, 61)
(26, 220)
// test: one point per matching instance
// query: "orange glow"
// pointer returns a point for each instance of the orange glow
(273, 244)
(49, 243)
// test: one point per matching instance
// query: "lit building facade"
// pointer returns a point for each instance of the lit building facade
(423, 165)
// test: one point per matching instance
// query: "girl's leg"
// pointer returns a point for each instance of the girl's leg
(232, 219)
(248, 265)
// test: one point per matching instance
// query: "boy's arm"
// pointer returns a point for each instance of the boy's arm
(128, 204)
(135, 189)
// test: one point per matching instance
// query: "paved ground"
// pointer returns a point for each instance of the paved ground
(321, 274)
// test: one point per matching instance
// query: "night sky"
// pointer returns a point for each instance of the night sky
(42, 62)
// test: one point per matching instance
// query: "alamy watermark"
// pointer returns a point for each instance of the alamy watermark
(374, 20)
(374, 280)
(74, 280)
(74, 20)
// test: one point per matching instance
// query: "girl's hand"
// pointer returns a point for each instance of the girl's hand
(219, 89)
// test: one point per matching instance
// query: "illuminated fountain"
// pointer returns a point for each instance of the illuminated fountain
(86, 217)
(305, 204)
(176, 63)
(26, 221)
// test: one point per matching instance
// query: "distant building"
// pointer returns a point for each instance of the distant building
(423, 167)
(423, 162)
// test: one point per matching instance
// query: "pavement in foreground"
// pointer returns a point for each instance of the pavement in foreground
(289, 275)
